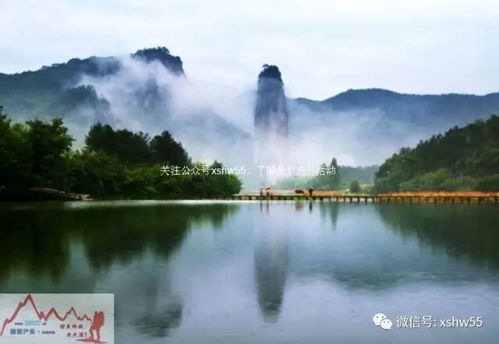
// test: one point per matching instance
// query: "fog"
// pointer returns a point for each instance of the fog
(354, 138)
(145, 96)
(218, 123)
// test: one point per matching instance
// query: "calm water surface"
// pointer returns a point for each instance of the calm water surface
(284, 272)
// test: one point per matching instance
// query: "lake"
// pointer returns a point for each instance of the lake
(264, 272)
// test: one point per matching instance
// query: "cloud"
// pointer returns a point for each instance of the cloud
(323, 46)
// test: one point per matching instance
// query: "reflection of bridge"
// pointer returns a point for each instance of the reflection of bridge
(379, 198)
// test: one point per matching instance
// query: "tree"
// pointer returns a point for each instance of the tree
(115, 163)
(15, 167)
(489, 183)
(354, 186)
(126, 145)
(96, 173)
(48, 143)
(164, 149)
(456, 160)
(335, 177)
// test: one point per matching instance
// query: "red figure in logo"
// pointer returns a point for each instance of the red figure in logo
(97, 324)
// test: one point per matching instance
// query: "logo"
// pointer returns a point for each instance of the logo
(381, 320)
(57, 318)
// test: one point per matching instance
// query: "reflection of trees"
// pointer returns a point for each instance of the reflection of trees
(120, 234)
(37, 240)
(365, 254)
(52, 241)
(462, 230)
(330, 210)
(28, 240)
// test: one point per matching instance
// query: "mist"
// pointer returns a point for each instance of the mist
(217, 123)
(355, 138)
(145, 96)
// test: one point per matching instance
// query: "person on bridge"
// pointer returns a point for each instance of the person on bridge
(310, 191)
(267, 190)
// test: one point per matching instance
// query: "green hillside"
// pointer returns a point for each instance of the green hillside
(462, 159)
(55, 90)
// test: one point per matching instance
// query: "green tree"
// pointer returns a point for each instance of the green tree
(96, 173)
(126, 145)
(456, 160)
(329, 177)
(115, 163)
(489, 183)
(48, 144)
(164, 149)
(15, 166)
(335, 176)
(355, 186)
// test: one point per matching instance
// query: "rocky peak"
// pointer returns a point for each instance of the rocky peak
(270, 72)
(162, 55)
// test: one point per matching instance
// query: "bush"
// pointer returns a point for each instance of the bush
(490, 183)
(355, 186)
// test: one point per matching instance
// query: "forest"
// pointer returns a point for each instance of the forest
(112, 164)
(464, 158)
(340, 177)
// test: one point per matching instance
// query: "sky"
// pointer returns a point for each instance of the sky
(323, 47)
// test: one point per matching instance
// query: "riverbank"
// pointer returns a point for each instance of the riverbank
(39, 194)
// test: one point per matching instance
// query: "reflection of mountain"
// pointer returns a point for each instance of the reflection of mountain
(271, 269)
(451, 228)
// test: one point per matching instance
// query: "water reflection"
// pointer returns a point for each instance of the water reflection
(156, 309)
(259, 272)
(466, 231)
(362, 255)
(271, 264)
(330, 211)
(39, 240)
(103, 249)
(158, 323)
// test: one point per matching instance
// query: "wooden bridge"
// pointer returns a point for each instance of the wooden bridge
(382, 198)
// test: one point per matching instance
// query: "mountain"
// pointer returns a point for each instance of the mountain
(57, 88)
(149, 91)
(271, 117)
(464, 158)
(454, 109)
(141, 92)
(363, 127)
